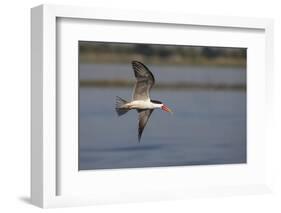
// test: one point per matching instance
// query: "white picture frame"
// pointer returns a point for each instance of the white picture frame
(46, 167)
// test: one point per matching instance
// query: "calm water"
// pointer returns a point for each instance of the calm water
(207, 127)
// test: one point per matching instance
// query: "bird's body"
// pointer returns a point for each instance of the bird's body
(142, 104)
(140, 98)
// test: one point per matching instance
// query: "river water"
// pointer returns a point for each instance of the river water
(207, 127)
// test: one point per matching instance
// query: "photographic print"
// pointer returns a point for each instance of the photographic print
(155, 105)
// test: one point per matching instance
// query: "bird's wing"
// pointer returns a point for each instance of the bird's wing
(143, 118)
(145, 81)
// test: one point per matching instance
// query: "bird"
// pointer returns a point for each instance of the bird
(141, 101)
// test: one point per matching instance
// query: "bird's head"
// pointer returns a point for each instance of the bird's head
(164, 107)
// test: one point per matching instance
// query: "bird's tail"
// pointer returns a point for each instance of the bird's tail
(120, 108)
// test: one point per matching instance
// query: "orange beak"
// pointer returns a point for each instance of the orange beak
(166, 108)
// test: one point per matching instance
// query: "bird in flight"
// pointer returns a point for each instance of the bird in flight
(140, 98)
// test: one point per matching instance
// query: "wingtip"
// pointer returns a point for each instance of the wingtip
(136, 63)
(139, 138)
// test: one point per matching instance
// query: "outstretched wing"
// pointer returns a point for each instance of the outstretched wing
(145, 81)
(143, 119)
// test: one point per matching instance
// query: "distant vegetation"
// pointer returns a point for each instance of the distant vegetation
(102, 52)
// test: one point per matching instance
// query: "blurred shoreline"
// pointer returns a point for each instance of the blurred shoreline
(109, 53)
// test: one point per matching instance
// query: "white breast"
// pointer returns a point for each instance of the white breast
(140, 104)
